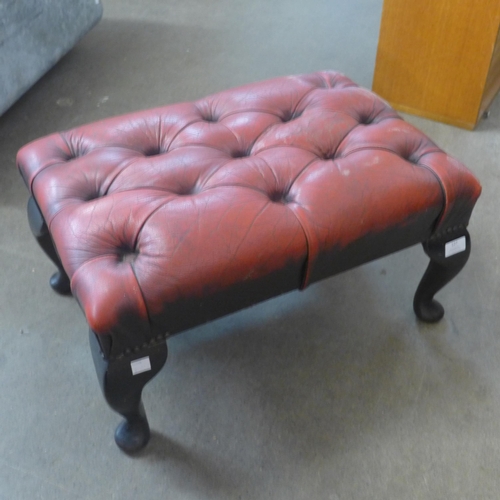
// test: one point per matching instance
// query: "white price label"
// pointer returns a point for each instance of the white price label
(140, 365)
(455, 246)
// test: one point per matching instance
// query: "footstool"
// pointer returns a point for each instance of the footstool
(164, 219)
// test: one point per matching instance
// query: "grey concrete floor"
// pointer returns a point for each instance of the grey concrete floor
(334, 393)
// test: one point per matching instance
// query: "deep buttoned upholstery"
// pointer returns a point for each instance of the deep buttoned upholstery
(168, 217)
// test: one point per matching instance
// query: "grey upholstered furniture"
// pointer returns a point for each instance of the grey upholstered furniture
(34, 35)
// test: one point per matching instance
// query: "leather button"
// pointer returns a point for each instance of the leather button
(411, 158)
(153, 151)
(280, 197)
(91, 197)
(240, 154)
(290, 116)
(188, 191)
(210, 118)
(365, 120)
(127, 255)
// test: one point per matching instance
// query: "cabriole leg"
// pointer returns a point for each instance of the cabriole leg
(122, 379)
(59, 280)
(448, 257)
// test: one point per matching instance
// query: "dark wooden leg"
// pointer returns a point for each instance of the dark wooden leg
(448, 257)
(59, 280)
(122, 378)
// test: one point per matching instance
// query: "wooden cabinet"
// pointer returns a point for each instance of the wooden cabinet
(439, 58)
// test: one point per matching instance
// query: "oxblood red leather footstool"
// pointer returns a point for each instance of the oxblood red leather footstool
(164, 219)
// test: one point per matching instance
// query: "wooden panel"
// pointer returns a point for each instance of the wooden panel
(493, 81)
(434, 56)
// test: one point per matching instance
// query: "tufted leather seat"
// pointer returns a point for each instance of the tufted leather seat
(169, 217)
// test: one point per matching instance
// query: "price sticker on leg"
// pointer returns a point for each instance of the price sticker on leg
(455, 246)
(140, 365)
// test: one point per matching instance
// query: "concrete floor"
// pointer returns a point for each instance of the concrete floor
(336, 393)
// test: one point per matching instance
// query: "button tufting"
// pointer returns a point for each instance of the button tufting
(91, 197)
(76, 146)
(153, 151)
(210, 118)
(365, 120)
(280, 197)
(127, 255)
(188, 191)
(325, 85)
(289, 116)
(282, 216)
(328, 156)
(411, 158)
(240, 153)
(72, 154)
